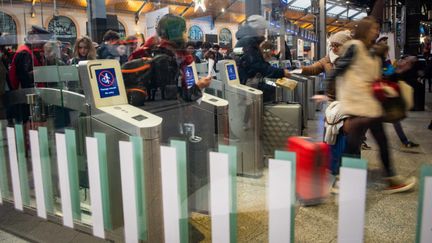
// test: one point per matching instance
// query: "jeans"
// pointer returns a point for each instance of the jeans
(400, 132)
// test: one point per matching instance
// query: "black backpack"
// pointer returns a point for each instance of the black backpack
(147, 76)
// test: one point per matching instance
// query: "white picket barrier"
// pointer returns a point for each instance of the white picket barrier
(37, 174)
(220, 197)
(352, 200)
(170, 195)
(95, 187)
(13, 160)
(130, 211)
(64, 180)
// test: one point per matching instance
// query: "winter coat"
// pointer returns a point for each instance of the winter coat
(355, 72)
(252, 61)
(323, 65)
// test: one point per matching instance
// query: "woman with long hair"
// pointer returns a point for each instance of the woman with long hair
(83, 50)
(355, 72)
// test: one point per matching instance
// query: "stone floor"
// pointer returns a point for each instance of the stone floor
(389, 218)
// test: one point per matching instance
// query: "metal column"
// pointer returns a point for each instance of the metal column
(322, 33)
(253, 7)
(96, 19)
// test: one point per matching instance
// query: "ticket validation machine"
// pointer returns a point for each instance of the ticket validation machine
(245, 117)
(111, 114)
(203, 125)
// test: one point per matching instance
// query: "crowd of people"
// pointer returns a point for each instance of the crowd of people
(355, 61)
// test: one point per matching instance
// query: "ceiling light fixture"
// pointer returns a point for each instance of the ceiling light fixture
(199, 4)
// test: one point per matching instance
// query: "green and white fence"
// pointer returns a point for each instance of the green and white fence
(223, 188)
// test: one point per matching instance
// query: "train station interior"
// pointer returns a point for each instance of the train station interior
(215, 121)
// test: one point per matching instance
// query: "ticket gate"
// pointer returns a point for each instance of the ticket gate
(245, 117)
(203, 125)
(110, 113)
(300, 94)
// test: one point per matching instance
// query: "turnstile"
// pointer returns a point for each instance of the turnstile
(203, 126)
(40, 102)
(245, 117)
(110, 113)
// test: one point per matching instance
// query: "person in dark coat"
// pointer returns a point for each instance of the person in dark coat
(252, 63)
(172, 31)
(108, 48)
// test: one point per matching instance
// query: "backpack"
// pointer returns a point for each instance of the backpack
(146, 76)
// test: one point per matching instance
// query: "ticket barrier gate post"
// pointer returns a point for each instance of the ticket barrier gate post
(203, 125)
(92, 120)
(300, 94)
(111, 114)
(245, 117)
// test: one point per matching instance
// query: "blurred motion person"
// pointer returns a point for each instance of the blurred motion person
(190, 48)
(108, 48)
(251, 64)
(355, 72)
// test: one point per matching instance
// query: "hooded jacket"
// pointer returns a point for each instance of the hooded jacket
(252, 61)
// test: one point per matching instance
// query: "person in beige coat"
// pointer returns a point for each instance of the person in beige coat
(355, 72)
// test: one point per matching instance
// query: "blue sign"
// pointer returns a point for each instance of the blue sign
(189, 76)
(231, 72)
(284, 1)
(107, 82)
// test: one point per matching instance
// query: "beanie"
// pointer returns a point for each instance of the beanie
(257, 22)
(340, 37)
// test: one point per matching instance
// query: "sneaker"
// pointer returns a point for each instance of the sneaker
(335, 187)
(411, 145)
(399, 184)
(364, 146)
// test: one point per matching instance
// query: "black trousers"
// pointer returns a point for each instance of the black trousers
(356, 129)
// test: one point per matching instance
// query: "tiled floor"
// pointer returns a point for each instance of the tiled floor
(389, 218)
(8, 238)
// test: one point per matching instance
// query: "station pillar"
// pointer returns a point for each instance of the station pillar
(253, 7)
(97, 19)
(322, 30)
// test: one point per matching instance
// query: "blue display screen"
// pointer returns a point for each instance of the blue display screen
(190, 77)
(107, 82)
(231, 72)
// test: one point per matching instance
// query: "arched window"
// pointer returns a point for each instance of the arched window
(64, 29)
(8, 28)
(225, 38)
(122, 30)
(195, 33)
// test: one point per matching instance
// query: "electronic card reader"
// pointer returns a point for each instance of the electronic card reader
(105, 91)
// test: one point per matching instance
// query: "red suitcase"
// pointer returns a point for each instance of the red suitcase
(312, 162)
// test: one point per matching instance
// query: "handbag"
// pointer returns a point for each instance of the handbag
(392, 102)
(407, 93)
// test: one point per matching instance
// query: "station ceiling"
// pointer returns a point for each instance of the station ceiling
(340, 16)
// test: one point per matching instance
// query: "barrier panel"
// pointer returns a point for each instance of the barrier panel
(223, 188)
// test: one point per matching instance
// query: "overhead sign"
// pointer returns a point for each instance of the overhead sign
(152, 19)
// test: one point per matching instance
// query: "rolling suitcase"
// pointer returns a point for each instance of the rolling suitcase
(311, 169)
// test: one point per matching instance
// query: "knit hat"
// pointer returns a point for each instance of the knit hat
(340, 37)
(258, 23)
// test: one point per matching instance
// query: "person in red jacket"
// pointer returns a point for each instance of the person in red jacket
(26, 57)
